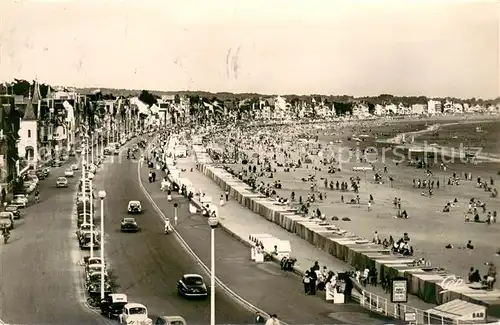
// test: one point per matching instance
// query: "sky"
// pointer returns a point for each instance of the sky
(362, 48)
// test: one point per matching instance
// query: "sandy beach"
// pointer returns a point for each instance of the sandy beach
(429, 228)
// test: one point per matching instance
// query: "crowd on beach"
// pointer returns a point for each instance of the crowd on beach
(275, 160)
(267, 162)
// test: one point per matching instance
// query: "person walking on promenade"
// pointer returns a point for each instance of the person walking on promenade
(306, 280)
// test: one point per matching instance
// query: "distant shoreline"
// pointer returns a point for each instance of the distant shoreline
(445, 150)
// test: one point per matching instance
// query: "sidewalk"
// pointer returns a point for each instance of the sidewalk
(245, 223)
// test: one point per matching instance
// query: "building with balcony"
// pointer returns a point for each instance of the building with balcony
(9, 128)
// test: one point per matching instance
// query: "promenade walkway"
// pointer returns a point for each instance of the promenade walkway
(244, 223)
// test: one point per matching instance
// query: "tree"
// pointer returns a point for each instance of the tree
(147, 98)
(21, 87)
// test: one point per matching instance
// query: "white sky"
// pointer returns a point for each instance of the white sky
(436, 48)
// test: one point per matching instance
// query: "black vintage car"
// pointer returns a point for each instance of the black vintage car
(129, 225)
(112, 306)
(192, 286)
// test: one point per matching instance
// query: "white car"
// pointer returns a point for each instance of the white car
(135, 314)
(134, 207)
(20, 200)
(69, 172)
(62, 182)
(75, 167)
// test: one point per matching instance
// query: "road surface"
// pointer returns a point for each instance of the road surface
(38, 274)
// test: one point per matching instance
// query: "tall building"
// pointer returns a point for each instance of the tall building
(28, 136)
(9, 127)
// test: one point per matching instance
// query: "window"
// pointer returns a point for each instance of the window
(159, 321)
(29, 133)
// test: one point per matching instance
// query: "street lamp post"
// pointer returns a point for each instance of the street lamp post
(175, 213)
(92, 148)
(213, 222)
(102, 195)
(91, 176)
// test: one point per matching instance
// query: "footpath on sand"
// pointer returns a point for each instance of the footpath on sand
(245, 223)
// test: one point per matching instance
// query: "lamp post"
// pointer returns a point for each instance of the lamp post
(213, 222)
(84, 185)
(102, 195)
(175, 213)
(91, 176)
(92, 148)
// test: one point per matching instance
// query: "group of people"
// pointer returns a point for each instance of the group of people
(488, 280)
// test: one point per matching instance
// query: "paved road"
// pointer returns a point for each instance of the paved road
(39, 278)
(148, 264)
(264, 285)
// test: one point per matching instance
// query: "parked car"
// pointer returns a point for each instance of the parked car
(14, 209)
(39, 173)
(85, 240)
(192, 285)
(6, 220)
(62, 182)
(134, 207)
(134, 314)
(87, 260)
(84, 227)
(129, 225)
(21, 200)
(46, 171)
(69, 173)
(170, 320)
(95, 269)
(112, 305)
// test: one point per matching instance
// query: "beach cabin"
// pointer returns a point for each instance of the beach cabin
(181, 151)
(456, 312)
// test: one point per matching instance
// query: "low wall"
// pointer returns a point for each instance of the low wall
(424, 282)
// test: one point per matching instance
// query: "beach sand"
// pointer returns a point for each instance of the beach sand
(429, 228)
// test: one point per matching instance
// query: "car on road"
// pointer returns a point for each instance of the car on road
(87, 260)
(191, 286)
(29, 186)
(6, 220)
(39, 173)
(134, 314)
(62, 182)
(21, 200)
(85, 241)
(107, 151)
(129, 225)
(113, 304)
(14, 209)
(170, 320)
(116, 152)
(95, 269)
(46, 171)
(134, 207)
(56, 163)
(75, 166)
(69, 172)
(84, 227)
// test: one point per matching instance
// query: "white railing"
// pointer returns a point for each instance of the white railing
(385, 307)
